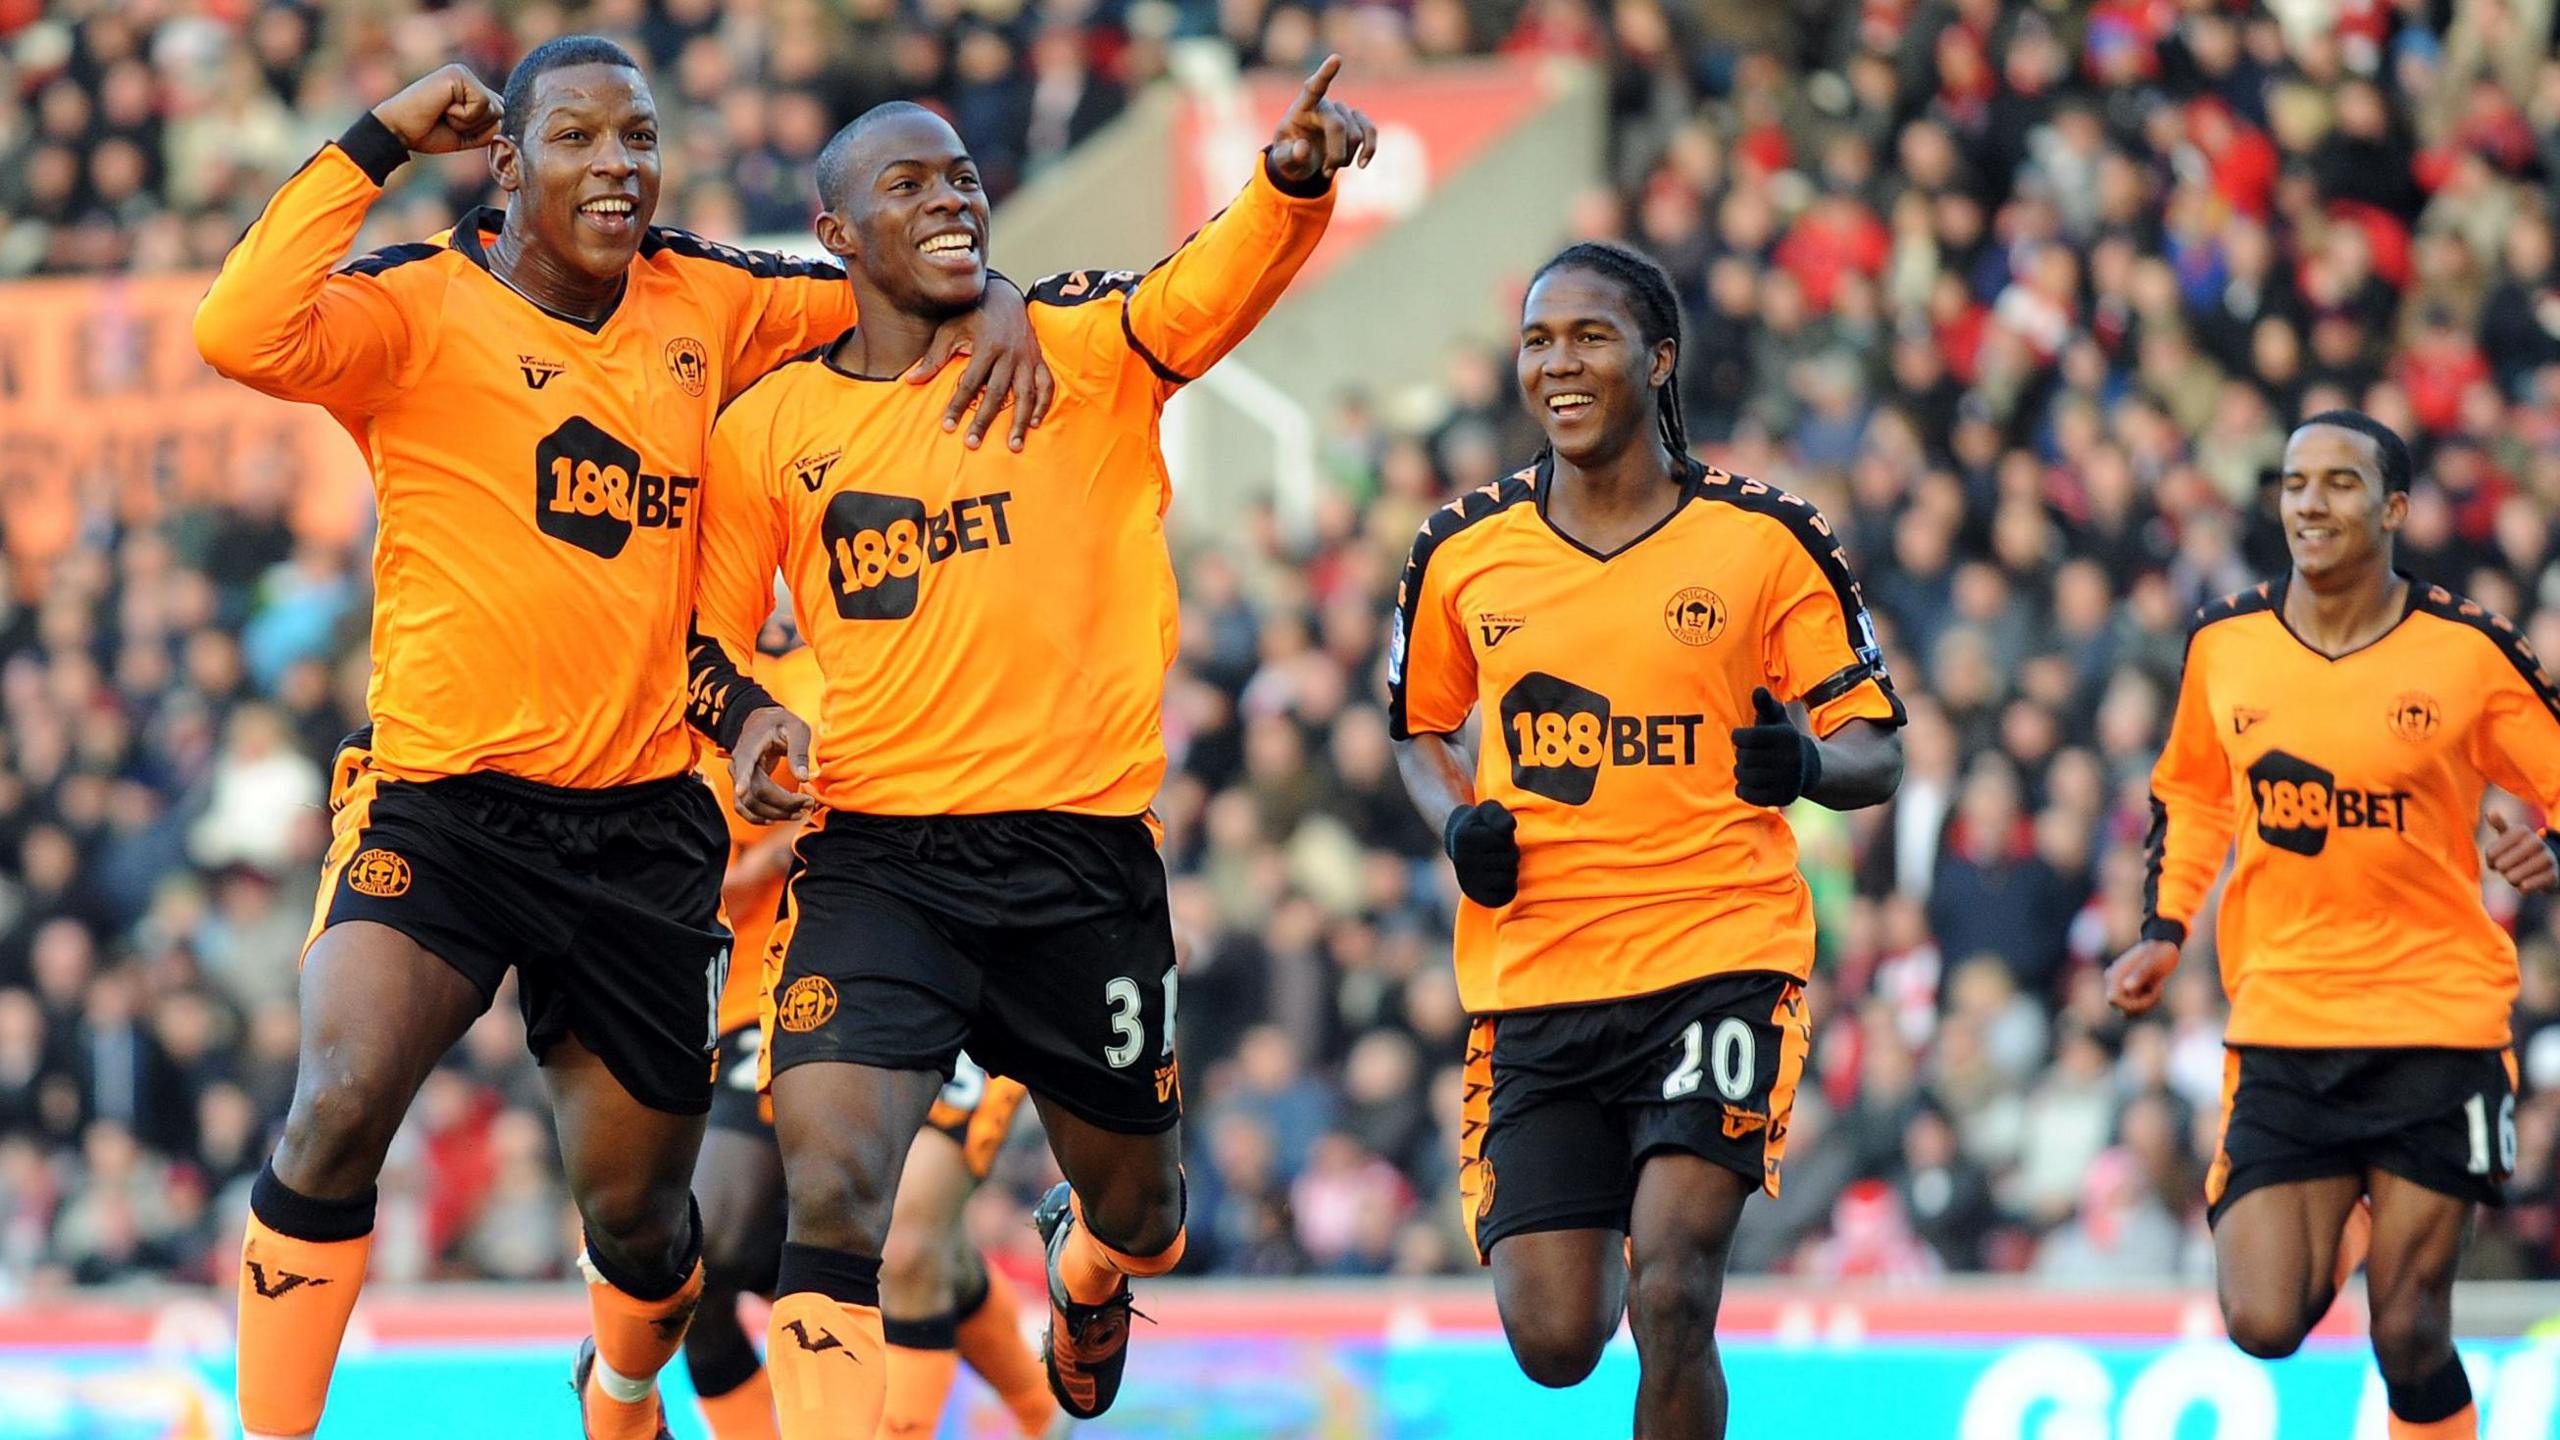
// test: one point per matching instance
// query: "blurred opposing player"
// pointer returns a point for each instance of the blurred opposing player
(532, 392)
(995, 631)
(1634, 933)
(2342, 724)
(941, 1302)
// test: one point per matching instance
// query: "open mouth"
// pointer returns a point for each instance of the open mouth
(1571, 404)
(613, 214)
(951, 250)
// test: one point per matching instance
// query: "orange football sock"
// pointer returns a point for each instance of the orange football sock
(990, 1341)
(745, 1413)
(1092, 1271)
(296, 1291)
(2463, 1424)
(830, 1376)
(635, 1338)
(922, 1366)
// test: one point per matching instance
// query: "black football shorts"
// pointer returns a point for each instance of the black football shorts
(1563, 1105)
(1041, 942)
(2444, 1119)
(605, 902)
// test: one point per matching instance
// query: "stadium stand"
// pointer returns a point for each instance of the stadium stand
(2024, 294)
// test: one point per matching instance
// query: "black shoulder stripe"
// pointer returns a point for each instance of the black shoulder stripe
(2256, 600)
(1468, 509)
(763, 264)
(1079, 287)
(1082, 287)
(391, 257)
(2445, 605)
(1814, 533)
(2155, 853)
(814, 352)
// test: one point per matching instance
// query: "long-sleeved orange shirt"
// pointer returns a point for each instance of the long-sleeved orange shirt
(994, 626)
(2352, 787)
(538, 479)
(1610, 687)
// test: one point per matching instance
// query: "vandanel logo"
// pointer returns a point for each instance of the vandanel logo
(379, 873)
(1496, 628)
(539, 372)
(811, 470)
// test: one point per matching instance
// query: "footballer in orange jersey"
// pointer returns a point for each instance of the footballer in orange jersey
(1628, 628)
(2334, 734)
(941, 1302)
(995, 631)
(532, 392)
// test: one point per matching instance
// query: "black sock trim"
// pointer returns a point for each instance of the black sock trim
(651, 1288)
(840, 1275)
(719, 1368)
(973, 1298)
(2440, 1396)
(289, 1212)
(936, 1332)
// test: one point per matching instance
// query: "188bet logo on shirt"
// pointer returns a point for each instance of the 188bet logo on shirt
(1560, 735)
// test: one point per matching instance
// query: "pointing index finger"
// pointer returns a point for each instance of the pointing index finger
(1312, 94)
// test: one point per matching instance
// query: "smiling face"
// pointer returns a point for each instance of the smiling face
(2336, 512)
(583, 173)
(1585, 370)
(908, 210)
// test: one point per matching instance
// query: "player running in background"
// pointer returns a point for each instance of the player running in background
(2341, 724)
(1634, 933)
(941, 1302)
(995, 631)
(532, 394)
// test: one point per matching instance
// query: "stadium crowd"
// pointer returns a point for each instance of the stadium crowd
(2024, 294)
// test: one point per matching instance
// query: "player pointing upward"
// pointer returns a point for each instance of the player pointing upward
(994, 631)
(532, 392)
(2341, 724)
(1634, 935)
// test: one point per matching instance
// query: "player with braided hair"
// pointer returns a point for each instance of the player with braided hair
(1633, 935)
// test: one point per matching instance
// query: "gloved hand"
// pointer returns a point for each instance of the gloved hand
(1482, 844)
(1774, 763)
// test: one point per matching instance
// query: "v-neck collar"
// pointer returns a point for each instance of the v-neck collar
(466, 240)
(1544, 484)
(2408, 607)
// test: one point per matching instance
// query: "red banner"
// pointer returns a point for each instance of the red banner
(1431, 123)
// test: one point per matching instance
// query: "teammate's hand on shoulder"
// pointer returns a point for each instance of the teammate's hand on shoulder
(2135, 981)
(1484, 847)
(1319, 136)
(1005, 370)
(443, 111)
(1774, 763)
(2522, 858)
(771, 736)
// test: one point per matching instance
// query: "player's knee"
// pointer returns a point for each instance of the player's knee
(916, 1258)
(837, 1206)
(1138, 1213)
(2269, 1331)
(337, 1131)
(1671, 1304)
(2410, 1339)
(1555, 1353)
(643, 1227)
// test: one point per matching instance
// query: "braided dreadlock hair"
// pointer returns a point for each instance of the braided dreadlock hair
(1657, 309)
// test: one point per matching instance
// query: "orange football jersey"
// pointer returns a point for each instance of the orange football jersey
(2352, 786)
(994, 626)
(792, 679)
(538, 479)
(1609, 688)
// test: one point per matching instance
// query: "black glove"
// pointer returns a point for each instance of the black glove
(1481, 844)
(1774, 763)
